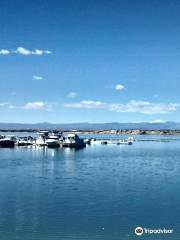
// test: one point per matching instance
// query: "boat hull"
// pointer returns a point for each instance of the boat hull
(6, 144)
(53, 144)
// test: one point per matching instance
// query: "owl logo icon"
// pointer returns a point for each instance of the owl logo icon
(139, 231)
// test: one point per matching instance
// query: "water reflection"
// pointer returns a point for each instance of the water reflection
(100, 192)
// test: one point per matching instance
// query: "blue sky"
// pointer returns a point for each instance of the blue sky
(89, 61)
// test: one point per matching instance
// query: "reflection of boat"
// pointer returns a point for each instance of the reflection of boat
(53, 141)
(72, 140)
(6, 143)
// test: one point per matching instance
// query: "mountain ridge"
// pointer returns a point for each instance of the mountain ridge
(169, 125)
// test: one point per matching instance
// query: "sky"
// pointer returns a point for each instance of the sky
(65, 61)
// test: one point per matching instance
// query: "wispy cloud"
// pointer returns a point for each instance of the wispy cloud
(119, 87)
(72, 95)
(87, 104)
(35, 77)
(35, 105)
(24, 51)
(7, 105)
(4, 104)
(144, 107)
(38, 106)
(132, 106)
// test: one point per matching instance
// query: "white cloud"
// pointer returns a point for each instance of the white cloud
(47, 52)
(38, 52)
(86, 104)
(4, 52)
(72, 95)
(24, 51)
(35, 77)
(37, 106)
(132, 106)
(144, 107)
(119, 87)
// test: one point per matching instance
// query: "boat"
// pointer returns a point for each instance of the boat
(95, 141)
(87, 141)
(53, 141)
(24, 141)
(43, 133)
(128, 141)
(72, 140)
(7, 142)
(124, 142)
(40, 141)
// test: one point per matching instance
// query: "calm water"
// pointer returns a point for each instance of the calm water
(101, 192)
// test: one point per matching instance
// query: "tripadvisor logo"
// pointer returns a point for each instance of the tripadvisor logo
(139, 231)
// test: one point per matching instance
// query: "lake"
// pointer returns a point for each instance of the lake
(102, 192)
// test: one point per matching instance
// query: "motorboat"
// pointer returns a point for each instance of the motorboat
(40, 141)
(24, 141)
(7, 142)
(53, 141)
(72, 140)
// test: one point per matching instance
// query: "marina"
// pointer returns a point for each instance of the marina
(75, 139)
(56, 140)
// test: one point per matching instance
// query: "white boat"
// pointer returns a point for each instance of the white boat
(128, 141)
(40, 141)
(72, 140)
(53, 141)
(87, 141)
(95, 141)
(24, 141)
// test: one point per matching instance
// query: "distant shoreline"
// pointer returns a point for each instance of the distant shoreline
(113, 132)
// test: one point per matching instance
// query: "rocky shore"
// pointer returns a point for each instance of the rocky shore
(134, 132)
(120, 132)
